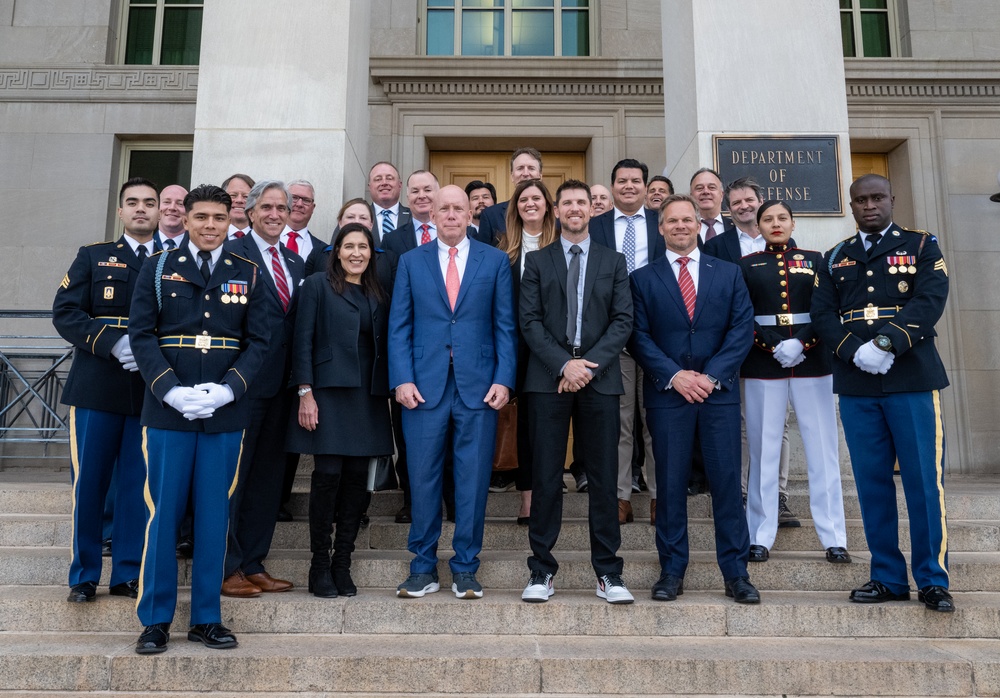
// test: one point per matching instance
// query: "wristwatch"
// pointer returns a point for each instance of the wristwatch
(883, 343)
(303, 391)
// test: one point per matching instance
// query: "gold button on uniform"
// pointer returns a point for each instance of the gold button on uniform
(871, 289)
(208, 314)
(871, 273)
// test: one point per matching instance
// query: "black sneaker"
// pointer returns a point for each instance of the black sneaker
(501, 482)
(786, 519)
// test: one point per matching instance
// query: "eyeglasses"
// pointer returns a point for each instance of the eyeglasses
(303, 199)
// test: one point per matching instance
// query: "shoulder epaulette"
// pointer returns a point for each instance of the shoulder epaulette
(848, 238)
(918, 232)
(161, 252)
(243, 258)
(101, 242)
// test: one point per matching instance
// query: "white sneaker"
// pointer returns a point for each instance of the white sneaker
(612, 588)
(539, 588)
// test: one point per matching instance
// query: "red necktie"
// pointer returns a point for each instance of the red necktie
(710, 232)
(238, 234)
(451, 278)
(686, 283)
(292, 244)
(279, 278)
(425, 236)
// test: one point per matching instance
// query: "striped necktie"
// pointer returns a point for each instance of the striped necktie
(686, 283)
(387, 225)
(279, 279)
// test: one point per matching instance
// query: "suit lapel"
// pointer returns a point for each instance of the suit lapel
(734, 245)
(472, 267)
(593, 269)
(666, 274)
(855, 248)
(126, 254)
(430, 253)
(252, 252)
(186, 266)
(706, 277)
(558, 257)
(652, 232)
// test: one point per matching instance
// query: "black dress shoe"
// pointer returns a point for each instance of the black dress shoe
(877, 592)
(758, 553)
(185, 548)
(284, 514)
(153, 639)
(523, 520)
(936, 599)
(668, 588)
(213, 635)
(741, 590)
(838, 555)
(85, 591)
(129, 589)
(404, 515)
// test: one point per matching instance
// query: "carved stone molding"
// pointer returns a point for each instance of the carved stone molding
(944, 82)
(98, 84)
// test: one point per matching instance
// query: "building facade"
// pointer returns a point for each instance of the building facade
(93, 91)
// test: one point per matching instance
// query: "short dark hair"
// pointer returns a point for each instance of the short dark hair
(246, 179)
(207, 192)
(480, 184)
(703, 170)
(526, 151)
(744, 183)
(772, 203)
(573, 184)
(630, 164)
(661, 178)
(136, 182)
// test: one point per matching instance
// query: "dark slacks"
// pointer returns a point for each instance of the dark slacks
(595, 436)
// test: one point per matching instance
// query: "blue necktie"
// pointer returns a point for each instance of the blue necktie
(387, 225)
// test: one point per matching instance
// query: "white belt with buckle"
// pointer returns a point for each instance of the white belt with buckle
(782, 320)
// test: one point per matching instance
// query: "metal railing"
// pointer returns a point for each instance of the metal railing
(33, 369)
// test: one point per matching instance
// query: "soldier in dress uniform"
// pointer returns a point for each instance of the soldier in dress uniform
(199, 335)
(104, 391)
(878, 295)
(788, 362)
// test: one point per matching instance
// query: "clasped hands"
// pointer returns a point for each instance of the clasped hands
(199, 402)
(870, 359)
(576, 375)
(692, 386)
(409, 397)
(790, 353)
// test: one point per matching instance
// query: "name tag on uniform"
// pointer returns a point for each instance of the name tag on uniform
(112, 264)
(845, 263)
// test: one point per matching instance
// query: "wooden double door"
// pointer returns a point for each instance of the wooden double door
(462, 167)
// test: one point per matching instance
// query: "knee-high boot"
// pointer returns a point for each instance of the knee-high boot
(322, 510)
(351, 504)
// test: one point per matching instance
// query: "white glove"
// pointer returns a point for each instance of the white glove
(122, 350)
(789, 353)
(189, 402)
(219, 394)
(870, 359)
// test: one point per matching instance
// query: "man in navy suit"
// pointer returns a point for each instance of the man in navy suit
(253, 506)
(632, 230)
(452, 349)
(525, 163)
(693, 327)
(384, 187)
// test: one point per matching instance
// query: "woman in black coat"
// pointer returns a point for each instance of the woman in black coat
(339, 365)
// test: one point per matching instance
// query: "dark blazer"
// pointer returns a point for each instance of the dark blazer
(493, 223)
(850, 280)
(192, 307)
(402, 218)
(606, 324)
(326, 339)
(281, 324)
(90, 311)
(602, 231)
(385, 265)
(665, 341)
(726, 245)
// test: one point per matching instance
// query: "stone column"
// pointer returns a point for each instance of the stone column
(754, 67)
(283, 94)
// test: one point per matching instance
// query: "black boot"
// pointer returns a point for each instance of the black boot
(322, 506)
(352, 500)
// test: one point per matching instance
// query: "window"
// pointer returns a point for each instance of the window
(162, 32)
(508, 28)
(164, 162)
(866, 28)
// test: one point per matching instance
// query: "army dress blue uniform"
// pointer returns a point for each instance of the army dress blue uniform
(781, 280)
(90, 311)
(186, 333)
(898, 292)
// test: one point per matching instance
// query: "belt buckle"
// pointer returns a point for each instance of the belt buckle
(871, 313)
(575, 352)
(202, 341)
(784, 319)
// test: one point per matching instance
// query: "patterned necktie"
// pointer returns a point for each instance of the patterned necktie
(628, 243)
(238, 234)
(572, 294)
(451, 278)
(206, 261)
(686, 283)
(873, 240)
(710, 230)
(292, 244)
(279, 278)
(387, 225)
(425, 235)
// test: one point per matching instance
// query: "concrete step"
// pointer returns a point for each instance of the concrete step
(521, 664)
(786, 571)
(501, 612)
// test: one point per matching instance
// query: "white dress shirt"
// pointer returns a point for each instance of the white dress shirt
(461, 259)
(216, 253)
(750, 245)
(233, 230)
(692, 266)
(432, 229)
(304, 241)
(379, 218)
(135, 245)
(641, 238)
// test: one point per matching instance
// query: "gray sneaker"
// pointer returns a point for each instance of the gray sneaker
(786, 519)
(465, 586)
(416, 585)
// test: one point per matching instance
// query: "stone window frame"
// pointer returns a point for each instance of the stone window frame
(160, 7)
(855, 9)
(127, 146)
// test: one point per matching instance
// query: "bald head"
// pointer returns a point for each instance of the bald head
(451, 214)
(172, 210)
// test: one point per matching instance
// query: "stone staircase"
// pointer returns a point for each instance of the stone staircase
(804, 639)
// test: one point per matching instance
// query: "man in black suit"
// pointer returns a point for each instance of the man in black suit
(170, 233)
(238, 186)
(525, 163)
(384, 187)
(707, 189)
(254, 504)
(296, 236)
(575, 315)
(632, 230)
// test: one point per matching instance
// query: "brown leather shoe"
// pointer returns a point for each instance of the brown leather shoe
(625, 511)
(652, 512)
(267, 583)
(238, 586)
